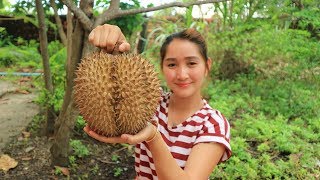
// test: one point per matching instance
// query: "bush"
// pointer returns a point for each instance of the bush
(20, 56)
(274, 110)
(79, 149)
(58, 56)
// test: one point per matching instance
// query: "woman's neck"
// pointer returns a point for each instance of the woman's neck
(182, 108)
(189, 103)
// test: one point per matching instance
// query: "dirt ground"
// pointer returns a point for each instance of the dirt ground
(31, 150)
(17, 109)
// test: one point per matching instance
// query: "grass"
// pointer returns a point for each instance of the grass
(275, 127)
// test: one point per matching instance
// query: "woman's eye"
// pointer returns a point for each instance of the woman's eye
(171, 65)
(192, 63)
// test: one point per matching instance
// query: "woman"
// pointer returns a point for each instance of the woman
(190, 137)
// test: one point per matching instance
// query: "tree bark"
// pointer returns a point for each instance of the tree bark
(69, 37)
(62, 34)
(50, 114)
(231, 13)
(142, 38)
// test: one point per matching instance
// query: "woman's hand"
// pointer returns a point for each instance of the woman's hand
(110, 38)
(145, 134)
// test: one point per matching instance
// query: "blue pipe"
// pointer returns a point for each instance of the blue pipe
(20, 74)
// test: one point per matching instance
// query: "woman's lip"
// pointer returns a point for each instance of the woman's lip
(182, 84)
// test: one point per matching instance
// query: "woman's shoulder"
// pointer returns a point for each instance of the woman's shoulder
(213, 116)
(215, 123)
(209, 111)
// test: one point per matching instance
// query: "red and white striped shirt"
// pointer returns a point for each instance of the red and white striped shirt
(206, 125)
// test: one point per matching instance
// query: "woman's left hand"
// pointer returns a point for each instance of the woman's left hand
(141, 136)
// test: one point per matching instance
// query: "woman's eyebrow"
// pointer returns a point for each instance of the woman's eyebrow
(188, 58)
(170, 59)
(192, 58)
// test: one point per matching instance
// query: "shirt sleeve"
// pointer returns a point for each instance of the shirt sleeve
(164, 95)
(216, 129)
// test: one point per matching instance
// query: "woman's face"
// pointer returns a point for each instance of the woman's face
(184, 68)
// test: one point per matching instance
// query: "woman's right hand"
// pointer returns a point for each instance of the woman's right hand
(108, 37)
(146, 134)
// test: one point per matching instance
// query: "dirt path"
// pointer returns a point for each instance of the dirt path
(16, 110)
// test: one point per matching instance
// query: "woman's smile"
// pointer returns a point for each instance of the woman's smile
(183, 85)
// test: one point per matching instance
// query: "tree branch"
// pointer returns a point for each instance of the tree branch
(115, 4)
(62, 34)
(82, 17)
(44, 46)
(106, 15)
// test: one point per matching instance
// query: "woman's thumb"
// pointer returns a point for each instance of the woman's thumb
(133, 139)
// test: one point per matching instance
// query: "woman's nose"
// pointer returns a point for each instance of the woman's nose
(182, 73)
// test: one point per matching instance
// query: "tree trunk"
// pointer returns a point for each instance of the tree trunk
(142, 38)
(66, 120)
(62, 34)
(231, 13)
(50, 115)
(69, 36)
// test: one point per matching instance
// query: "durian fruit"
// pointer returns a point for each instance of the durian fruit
(116, 94)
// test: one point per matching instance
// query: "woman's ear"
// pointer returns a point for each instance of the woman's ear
(208, 65)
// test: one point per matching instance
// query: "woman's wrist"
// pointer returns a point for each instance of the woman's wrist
(153, 136)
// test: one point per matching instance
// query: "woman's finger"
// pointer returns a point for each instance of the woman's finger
(143, 135)
(103, 138)
(124, 47)
(108, 37)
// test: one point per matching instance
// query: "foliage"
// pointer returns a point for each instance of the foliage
(80, 124)
(308, 19)
(35, 124)
(26, 11)
(25, 55)
(58, 56)
(115, 158)
(95, 169)
(256, 42)
(128, 24)
(79, 149)
(5, 37)
(1, 4)
(24, 7)
(72, 161)
(5, 7)
(274, 109)
(58, 171)
(29, 7)
(117, 171)
(270, 128)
